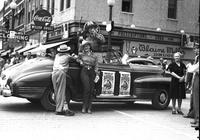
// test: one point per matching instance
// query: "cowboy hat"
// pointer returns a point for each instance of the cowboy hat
(63, 48)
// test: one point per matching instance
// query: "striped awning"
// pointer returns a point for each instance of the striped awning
(27, 48)
(17, 48)
(5, 53)
(1, 51)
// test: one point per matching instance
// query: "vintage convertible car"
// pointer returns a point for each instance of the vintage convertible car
(118, 83)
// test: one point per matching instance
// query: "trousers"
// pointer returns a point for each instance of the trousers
(62, 94)
(195, 92)
(87, 78)
(191, 110)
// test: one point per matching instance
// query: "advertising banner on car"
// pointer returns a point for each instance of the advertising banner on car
(108, 82)
(125, 83)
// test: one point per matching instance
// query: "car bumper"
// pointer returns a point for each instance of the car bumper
(6, 92)
(5, 89)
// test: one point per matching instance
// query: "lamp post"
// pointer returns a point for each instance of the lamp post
(13, 6)
(182, 33)
(110, 4)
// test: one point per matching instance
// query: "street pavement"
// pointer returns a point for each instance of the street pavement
(19, 119)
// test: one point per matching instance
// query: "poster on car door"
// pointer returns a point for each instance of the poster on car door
(125, 83)
(108, 82)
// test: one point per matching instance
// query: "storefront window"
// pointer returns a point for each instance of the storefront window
(127, 6)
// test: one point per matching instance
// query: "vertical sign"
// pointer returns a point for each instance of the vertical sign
(108, 82)
(125, 83)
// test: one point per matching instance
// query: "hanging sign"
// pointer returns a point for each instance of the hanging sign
(108, 82)
(42, 20)
(125, 83)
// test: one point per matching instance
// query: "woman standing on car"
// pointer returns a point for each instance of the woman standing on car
(59, 79)
(89, 70)
(178, 70)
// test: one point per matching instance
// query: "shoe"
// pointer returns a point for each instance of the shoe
(197, 128)
(89, 111)
(83, 111)
(194, 122)
(195, 125)
(187, 116)
(69, 113)
(60, 113)
(173, 111)
(180, 112)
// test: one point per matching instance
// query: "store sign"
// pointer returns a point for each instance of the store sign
(42, 20)
(156, 50)
(14, 35)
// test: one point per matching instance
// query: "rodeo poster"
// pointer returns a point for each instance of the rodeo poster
(125, 81)
(108, 82)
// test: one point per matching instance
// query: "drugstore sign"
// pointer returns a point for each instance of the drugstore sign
(157, 50)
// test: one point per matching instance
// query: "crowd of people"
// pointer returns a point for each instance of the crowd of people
(12, 59)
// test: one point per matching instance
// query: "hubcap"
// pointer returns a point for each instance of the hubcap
(163, 98)
(52, 97)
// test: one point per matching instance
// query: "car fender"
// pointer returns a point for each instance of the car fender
(147, 86)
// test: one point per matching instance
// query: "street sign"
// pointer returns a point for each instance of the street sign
(44, 28)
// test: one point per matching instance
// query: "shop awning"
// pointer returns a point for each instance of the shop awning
(17, 48)
(1, 51)
(43, 48)
(5, 53)
(27, 48)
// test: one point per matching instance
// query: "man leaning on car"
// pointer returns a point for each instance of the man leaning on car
(59, 79)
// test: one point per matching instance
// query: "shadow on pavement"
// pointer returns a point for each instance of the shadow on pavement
(97, 107)
(22, 107)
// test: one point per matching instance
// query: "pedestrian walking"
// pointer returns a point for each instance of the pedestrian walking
(89, 73)
(59, 79)
(195, 86)
(177, 86)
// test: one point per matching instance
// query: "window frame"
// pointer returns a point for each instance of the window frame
(68, 4)
(61, 5)
(52, 7)
(130, 10)
(172, 7)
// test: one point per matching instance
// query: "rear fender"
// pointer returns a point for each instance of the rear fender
(146, 87)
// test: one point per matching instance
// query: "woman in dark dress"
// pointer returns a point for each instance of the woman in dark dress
(177, 87)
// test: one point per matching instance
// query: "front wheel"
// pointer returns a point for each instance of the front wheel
(47, 100)
(161, 100)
